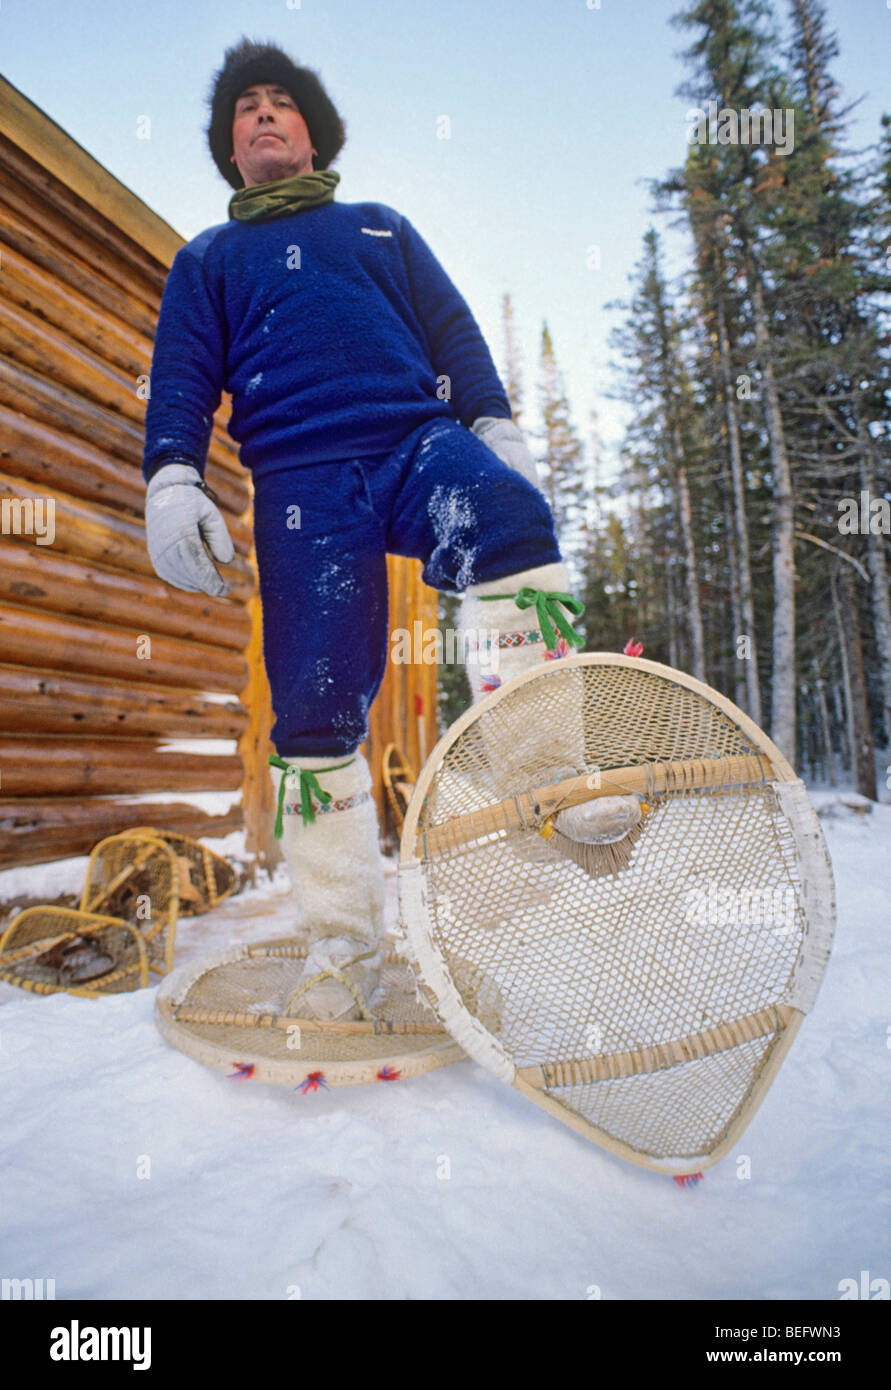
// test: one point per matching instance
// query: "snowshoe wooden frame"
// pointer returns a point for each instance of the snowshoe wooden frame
(213, 1011)
(35, 930)
(399, 782)
(644, 1031)
(140, 863)
(211, 869)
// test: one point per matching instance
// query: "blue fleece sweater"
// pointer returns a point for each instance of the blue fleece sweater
(331, 329)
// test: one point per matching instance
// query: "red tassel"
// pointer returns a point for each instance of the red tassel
(688, 1179)
(633, 647)
(243, 1071)
(386, 1074)
(314, 1080)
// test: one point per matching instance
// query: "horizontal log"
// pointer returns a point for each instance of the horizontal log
(35, 575)
(44, 296)
(49, 349)
(53, 765)
(62, 465)
(60, 258)
(64, 644)
(41, 230)
(43, 398)
(41, 453)
(116, 257)
(35, 832)
(52, 353)
(34, 701)
(95, 532)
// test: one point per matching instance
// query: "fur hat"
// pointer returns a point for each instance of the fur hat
(249, 62)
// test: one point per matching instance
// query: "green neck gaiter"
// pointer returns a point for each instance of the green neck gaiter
(281, 197)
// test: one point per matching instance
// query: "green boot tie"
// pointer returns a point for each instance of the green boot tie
(309, 786)
(547, 607)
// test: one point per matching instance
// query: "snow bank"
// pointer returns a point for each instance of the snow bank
(131, 1172)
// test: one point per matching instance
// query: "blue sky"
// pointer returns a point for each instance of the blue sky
(559, 112)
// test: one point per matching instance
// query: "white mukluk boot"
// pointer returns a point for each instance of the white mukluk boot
(510, 625)
(504, 638)
(328, 823)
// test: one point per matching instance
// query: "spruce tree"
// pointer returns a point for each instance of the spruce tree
(730, 62)
(561, 462)
(662, 434)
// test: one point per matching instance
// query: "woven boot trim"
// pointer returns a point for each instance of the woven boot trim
(321, 808)
(312, 793)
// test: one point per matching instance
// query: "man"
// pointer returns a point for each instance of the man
(370, 413)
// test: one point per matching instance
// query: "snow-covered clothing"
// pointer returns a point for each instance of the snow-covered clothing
(441, 497)
(356, 371)
(181, 519)
(336, 330)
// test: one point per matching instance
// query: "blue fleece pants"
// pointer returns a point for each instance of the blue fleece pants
(322, 533)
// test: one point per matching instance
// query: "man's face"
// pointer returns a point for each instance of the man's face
(270, 139)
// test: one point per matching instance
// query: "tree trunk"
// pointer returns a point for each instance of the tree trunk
(826, 727)
(694, 612)
(740, 693)
(673, 656)
(783, 676)
(881, 593)
(671, 374)
(737, 473)
(838, 704)
(863, 765)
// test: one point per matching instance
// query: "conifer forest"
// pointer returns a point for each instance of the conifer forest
(743, 532)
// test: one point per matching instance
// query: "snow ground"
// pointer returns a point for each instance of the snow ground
(450, 1186)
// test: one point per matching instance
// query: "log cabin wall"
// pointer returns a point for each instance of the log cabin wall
(102, 664)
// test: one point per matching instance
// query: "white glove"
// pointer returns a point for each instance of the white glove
(179, 519)
(507, 442)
